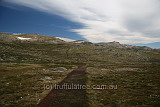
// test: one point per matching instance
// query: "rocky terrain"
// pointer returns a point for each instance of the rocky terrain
(28, 61)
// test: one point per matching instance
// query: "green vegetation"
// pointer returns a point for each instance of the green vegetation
(137, 85)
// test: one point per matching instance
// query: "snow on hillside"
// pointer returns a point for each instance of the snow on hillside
(66, 39)
(21, 38)
(79, 41)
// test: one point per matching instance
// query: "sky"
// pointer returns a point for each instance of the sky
(125, 21)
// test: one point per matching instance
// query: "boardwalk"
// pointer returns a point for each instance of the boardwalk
(68, 97)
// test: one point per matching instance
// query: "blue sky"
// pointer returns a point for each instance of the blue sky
(32, 21)
(127, 21)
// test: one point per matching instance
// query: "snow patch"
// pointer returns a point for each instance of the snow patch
(21, 38)
(79, 41)
(66, 39)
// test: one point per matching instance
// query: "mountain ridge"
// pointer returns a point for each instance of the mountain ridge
(51, 39)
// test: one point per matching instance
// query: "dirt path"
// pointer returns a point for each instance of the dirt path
(68, 97)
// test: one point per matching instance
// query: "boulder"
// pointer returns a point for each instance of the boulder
(46, 78)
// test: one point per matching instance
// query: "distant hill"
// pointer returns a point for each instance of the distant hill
(29, 37)
(152, 45)
(51, 39)
(35, 47)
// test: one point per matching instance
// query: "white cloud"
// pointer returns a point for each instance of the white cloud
(126, 21)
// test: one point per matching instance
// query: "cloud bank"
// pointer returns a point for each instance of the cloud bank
(126, 21)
